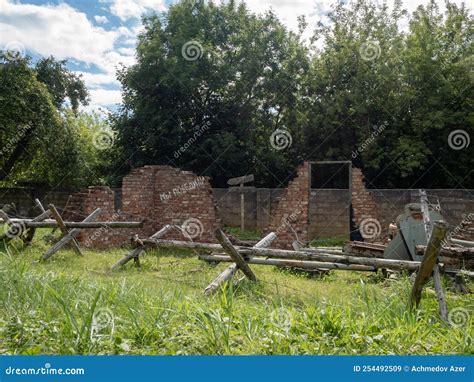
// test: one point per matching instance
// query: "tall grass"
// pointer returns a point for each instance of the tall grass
(73, 305)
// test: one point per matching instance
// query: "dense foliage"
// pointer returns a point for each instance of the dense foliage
(250, 76)
(221, 91)
(45, 140)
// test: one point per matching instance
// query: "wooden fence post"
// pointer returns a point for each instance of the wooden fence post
(235, 255)
(229, 272)
(136, 252)
(438, 284)
(71, 235)
(440, 229)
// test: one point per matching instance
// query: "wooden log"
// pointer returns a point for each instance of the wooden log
(229, 272)
(294, 255)
(30, 232)
(40, 206)
(63, 228)
(306, 264)
(136, 252)
(234, 254)
(438, 284)
(71, 234)
(464, 243)
(86, 225)
(440, 229)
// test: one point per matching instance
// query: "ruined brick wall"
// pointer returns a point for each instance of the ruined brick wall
(156, 195)
(289, 218)
(365, 214)
(83, 203)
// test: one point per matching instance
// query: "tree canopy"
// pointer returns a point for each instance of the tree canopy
(246, 77)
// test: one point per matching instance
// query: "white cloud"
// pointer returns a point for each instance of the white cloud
(105, 97)
(66, 33)
(101, 19)
(127, 9)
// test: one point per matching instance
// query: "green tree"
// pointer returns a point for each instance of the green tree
(220, 66)
(44, 141)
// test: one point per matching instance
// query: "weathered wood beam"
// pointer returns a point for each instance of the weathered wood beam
(438, 284)
(440, 229)
(63, 228)
(229, 272)
(293, 255)
(31, 223)
(292, 263)
(136, 252)
(40, 206)
(234, 254)
(30, 232)
(71, 235)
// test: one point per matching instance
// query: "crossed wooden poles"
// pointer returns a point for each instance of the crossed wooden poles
(70, 230)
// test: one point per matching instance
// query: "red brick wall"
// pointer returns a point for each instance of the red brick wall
(364, 207)
(289, 218)
(158, 195)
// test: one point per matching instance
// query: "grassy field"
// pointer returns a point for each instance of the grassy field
(74, 305)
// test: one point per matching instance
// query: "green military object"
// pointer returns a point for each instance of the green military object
(411, 232)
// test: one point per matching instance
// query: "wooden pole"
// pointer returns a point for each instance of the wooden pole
(234, 254)
(229, 272)
(63, 228)
(438, 284)
(30, 232)
(32, 223)
(71, 235)
(292, 255)
(306, 264)
(136, 252)
(440, 229)
(40, 206)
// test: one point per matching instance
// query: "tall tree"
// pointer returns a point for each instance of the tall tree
(211, 84)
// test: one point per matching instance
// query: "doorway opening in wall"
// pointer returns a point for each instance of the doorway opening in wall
(330, 202)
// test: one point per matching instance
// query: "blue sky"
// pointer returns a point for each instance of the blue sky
(97, 36)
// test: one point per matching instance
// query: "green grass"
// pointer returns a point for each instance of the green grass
(246, 234)
(75, 305)
(330, 242)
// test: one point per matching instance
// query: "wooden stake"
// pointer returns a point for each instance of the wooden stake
(229, 272)
(71, 235)
(438, 284)
(136, 252)
(63, 228)
(234, 254)
(440, 229)
(30, 232)
(306, 264)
